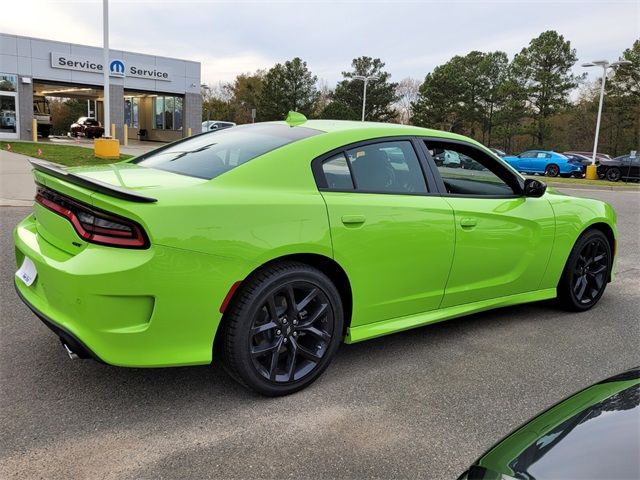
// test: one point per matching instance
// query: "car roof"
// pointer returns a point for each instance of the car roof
(378, 128)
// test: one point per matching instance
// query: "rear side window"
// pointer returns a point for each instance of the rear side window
(383, 167)
(211, 154)
(336, 171)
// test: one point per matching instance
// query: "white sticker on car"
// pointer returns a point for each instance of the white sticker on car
(27, 272)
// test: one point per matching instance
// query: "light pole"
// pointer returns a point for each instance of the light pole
(364, 93)
(105, 68)
(208, 89)
(592, 172)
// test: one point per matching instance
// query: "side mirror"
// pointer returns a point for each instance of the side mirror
(534, 188)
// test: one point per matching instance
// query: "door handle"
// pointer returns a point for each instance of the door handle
(353, 219)
(468, 222)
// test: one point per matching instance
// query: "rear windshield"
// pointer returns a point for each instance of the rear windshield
(211, 154)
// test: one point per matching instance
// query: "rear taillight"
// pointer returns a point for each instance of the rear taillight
(94, 225)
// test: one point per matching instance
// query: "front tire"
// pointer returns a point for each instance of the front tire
(586, 273)
(613, 174)
(282, 328)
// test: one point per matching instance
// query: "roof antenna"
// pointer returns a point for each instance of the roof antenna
(294, 118)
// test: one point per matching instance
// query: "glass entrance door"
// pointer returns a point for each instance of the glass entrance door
(8, 106)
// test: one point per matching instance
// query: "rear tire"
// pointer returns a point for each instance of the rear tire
(552, 170)
(586, 272)
(282, 328)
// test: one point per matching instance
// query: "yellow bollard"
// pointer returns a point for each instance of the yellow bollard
(189, 132)
(113, 131)
(108, 148)
(592, 172)
(125, 129)
(34, 130)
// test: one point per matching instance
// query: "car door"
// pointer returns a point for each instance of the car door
(524, 161)
(391, 232)
(539, 162)
(503, 239)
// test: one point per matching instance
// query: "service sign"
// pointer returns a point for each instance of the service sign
(117, 67)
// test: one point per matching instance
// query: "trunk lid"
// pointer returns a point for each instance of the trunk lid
(122, 189)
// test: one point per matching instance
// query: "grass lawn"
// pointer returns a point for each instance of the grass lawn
(67, 155)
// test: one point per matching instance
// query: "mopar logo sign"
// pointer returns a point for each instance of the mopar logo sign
(116, 68)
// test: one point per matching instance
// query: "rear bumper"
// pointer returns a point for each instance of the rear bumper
(136, 308)
(75, 344)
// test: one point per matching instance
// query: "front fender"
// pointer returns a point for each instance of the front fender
(573, 217)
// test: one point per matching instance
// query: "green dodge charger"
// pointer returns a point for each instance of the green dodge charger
(267, 245)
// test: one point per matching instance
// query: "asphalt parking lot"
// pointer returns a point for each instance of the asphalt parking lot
(419, 404)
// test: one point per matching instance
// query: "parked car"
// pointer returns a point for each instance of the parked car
(599, 156)
(583, 159)
(211, 125)
(8, 119)
(447, 158)
(622, 167)
(497, 151)
(590, 435)
(87, 126)
(269, 244)
(546, 163)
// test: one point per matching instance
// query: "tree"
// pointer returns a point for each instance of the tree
(627, 77)
(245, 94)
(544, 67)
(465, 94)
(215, 103)
(440, 95)
(337, 110)
(407, 92)
(288, 86)
(380, 93)
(65, 111)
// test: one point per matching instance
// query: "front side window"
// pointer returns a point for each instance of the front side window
(473, 172)
(209, 155)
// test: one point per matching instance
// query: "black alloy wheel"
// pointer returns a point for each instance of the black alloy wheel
(587, 271)
(613, 174)
(552, 170)
(291, 332)
(282, 329)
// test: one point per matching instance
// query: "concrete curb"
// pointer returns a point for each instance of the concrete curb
(6, 202)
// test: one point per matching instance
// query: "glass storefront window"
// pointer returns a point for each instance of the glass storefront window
(169, 105)
(159, 113)
(131, 108)
(168, 113)
(8, 82)
(8, 122)
(177, 119)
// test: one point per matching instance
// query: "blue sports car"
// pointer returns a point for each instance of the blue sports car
(545, 162)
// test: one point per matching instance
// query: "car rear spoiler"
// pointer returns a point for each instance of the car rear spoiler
(90, 183)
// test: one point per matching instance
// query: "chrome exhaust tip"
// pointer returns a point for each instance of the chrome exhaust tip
(72, 355)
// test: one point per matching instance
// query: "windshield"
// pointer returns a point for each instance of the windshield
(211, 154)
(41, 106)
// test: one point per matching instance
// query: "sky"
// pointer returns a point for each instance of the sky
(411, 37)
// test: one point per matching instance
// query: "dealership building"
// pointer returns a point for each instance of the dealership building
(158, 98)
